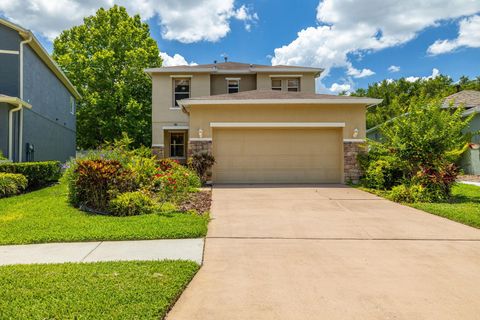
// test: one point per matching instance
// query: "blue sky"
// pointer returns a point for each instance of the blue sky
(355, 41)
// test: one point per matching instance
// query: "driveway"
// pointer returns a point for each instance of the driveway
(330, 252)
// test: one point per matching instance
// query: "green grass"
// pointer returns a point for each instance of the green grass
(464, 207)
(104, 290)
(45, 216)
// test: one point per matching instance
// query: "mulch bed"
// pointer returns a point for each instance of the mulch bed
(199, 202)
(469, 178)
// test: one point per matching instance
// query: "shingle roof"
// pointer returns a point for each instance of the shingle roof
(234, 66)
(274, 95)
(467, 98)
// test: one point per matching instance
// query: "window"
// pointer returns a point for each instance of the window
(277, 84)
(293, 84)
(72, 105)
(181, 90)
(177, 144)
(233, 85)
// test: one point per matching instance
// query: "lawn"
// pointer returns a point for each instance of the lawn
(45, 216)
(103, 290)
(464, 207)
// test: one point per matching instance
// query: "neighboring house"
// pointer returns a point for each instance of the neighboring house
(263, 124)
(470, 100)
(37, 101)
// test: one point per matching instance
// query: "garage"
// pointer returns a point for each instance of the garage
(277, 155)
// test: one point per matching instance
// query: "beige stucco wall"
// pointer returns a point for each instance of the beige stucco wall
(218, 83)
(353, 115)
(307, 81)
(162, 102)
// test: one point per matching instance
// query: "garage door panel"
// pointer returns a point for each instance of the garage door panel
(277, 155)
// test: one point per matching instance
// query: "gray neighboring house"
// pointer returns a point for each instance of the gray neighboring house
(37, 101)
(470, 100)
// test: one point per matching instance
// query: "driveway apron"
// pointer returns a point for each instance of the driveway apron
(330, 252)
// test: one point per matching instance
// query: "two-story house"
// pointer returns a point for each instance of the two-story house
(263, 124)
(37, 101)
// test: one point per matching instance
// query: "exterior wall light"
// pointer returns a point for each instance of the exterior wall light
(355, 133)
(200, 133)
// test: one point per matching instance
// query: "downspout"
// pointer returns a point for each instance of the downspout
(10, 128)
(20, 138)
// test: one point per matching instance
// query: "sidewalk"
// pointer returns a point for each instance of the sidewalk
(175, 249)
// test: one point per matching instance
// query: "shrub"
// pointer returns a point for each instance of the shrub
(383, 173)
(172, 185)
(95, 182)
(131, 204)
(201, 163)
(38, 174)
(12, 184)
(400, 193)
(414, 193)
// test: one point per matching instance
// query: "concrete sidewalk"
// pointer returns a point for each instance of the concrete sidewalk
(175, 249)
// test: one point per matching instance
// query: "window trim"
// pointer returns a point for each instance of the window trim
(276, 88)
(72, 105)
(297, 86)
(174, 107)
(184, 133)
(228, 84)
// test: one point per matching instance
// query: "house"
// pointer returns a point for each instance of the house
(37, 101)
(263, 124)
(470, 100)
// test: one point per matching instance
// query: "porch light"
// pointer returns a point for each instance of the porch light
(200, 133)
(355, 133)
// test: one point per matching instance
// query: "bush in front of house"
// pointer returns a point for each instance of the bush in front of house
(201, 163)
(12, 184)
(415, 160)
(38, 174)
(120, 181)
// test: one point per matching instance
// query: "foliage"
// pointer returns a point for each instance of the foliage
(201, 163)
(2, 157)
(102, 290)
(419, 150)
(105, 58)
(172, 185)
(98, 181)
(399, 95)
(46, 216)
(11, 184)
(38, 174)
(132, 204)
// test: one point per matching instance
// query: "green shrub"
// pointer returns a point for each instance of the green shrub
(383, 173)
(131, 204)
(38, 174)
(201, 163)
(400, 193)
(12, 184)
(414, 193)
(95, 182)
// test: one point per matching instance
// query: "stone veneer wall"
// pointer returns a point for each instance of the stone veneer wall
(158, 152)
(195, 146)
(351, 167)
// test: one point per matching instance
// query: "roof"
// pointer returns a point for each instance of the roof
(467, 98)
(43, 54)
(14, 101)
(277, 97)
(233, 67)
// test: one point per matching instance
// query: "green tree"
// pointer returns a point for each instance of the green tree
(105, 58)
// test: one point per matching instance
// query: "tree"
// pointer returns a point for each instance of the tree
(105, 59)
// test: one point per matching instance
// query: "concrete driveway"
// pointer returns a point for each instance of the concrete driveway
(330, 252)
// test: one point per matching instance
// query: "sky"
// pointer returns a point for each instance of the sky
(356, 42)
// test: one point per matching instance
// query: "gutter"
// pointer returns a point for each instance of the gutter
(10, 129)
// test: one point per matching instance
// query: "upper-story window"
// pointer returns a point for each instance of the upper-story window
(233, 85)
(72, 105)
(277, 84)
(293, 84)
(287, 84)
(181, 90)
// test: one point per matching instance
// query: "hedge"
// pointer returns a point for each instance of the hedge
(38, 174)
(11, 184)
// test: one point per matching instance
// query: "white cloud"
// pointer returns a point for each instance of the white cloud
(337, 88)
(347, 28)
(175, 60)
(468, 36)
(186, 21)
(351, 71)
(393, 68)
(435, 73)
